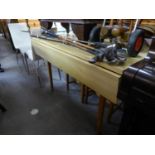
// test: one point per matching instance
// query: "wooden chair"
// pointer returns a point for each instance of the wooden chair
(85, 93)
(68, 82)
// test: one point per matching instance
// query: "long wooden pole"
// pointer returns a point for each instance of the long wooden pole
(78, 44)
(69, 42)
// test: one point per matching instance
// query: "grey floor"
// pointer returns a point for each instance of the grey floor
(60, 112)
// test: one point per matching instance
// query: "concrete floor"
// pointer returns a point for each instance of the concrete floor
(60, 112)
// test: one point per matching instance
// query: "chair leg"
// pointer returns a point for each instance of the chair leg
(37, 73)
(83, 93)
(26, 64)
(49, 65)
(87, 94)
(59, 72)
(67, 82)
(38, 63)
(17, 60)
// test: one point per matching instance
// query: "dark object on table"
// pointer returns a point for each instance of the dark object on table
(113, 53)
(137, 91)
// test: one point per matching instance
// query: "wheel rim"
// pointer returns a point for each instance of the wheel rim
(138, 44)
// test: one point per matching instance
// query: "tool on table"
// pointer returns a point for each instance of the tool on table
(110, 53)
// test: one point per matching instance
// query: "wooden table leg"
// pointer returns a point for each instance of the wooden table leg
(100, 114)
(50, 75)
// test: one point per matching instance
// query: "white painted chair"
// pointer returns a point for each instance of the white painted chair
(21, 40)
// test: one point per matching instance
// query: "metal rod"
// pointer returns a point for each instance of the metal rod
(136, 24)
(104, 22)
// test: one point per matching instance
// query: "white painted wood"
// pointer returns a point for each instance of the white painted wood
(21, 38)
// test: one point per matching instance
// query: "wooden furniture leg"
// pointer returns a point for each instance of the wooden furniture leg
(67, 82)
(83, 93)
(50, 75)
(100, 114)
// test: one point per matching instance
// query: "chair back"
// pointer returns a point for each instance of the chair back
(21, 38)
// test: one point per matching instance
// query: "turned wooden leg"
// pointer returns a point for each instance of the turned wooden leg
(50, 75)
(100, 114)
(67, 82)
